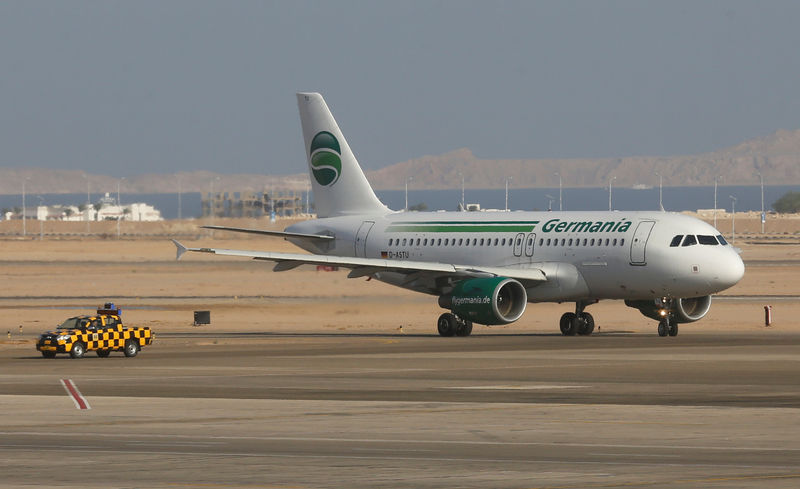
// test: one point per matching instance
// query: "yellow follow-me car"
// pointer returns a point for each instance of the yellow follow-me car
(103, 333)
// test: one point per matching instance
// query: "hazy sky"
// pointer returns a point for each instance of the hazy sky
(125, 88)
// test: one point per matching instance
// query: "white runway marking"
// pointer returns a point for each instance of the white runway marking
(517, 387)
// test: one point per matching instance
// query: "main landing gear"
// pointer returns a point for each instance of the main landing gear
(451, 325)
(578, 322)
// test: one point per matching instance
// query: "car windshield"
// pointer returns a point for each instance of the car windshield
(73, 323)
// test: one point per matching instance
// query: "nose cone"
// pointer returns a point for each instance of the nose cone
(732, 272)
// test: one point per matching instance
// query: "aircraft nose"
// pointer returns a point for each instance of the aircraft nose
(733, 270)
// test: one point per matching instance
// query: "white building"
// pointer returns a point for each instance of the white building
(109, 211)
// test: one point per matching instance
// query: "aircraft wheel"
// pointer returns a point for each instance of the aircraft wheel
(585, 324)
(567, 324)
(463, 328)
(673, 329)
(663, 327)
(447, 324)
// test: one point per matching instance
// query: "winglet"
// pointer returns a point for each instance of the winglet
(180, 249)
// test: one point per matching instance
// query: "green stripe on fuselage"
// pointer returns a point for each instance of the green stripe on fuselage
(463, 227)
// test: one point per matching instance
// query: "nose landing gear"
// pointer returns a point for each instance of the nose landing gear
(667, 326)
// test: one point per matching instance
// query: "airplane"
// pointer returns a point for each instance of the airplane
(485, 267)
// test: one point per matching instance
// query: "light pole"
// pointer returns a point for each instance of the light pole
(550, 200)
(715, 202)
(24, 227)
(560, 200)
(463, 206)
(119, 205)
(407, 180)
(211, 198)
(763, 215)
(88, 205)
(733, 219)
(609, 191)
(179, 198)
(660, 182)
(507, 179)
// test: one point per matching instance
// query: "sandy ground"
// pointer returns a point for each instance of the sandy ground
(47, 280)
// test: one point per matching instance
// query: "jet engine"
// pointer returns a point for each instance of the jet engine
(685, 310)
(496, 300)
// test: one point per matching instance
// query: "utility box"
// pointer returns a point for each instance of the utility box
(202, 317)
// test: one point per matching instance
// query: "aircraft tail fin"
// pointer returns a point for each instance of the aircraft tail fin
(340, 187)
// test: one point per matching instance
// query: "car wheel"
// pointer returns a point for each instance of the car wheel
(131, 348)
(77, 351)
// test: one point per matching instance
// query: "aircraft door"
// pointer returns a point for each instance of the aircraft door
(361, 238)
(518, 244)
(530, 241)
(639, 242)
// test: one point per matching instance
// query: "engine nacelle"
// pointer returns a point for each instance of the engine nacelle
(496, 300)
(685, 310)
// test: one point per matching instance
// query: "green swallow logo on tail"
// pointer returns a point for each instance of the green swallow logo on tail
(326, 162)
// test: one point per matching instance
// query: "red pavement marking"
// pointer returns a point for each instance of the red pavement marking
(77, 397)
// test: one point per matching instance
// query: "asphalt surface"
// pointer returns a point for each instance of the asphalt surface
(338, 410)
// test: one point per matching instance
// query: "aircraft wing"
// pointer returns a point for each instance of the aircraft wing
(279, 234)
(423, 273)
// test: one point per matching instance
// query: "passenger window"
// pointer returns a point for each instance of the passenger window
(439, 242)
(563, 241)
(676, 241)
(467, 242)
(496, 241)
(585, 241)
(615, 242)
(622, 242)
(481, 241)
(460, 241)
(570, 241)
(425, 243)
(591, 243)
(390, 241)
(707, 240)
(606, 241)
(503, 243)
(519, 241)
(721, 240)
(404, 241)
(474, 241)
(689, 240)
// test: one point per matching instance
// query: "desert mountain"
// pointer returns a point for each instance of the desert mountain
(776, 156)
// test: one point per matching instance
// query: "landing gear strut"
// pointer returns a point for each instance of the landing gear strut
(579, 322)
(451, 325)
(667, 325)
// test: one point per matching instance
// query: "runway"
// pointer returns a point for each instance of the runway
(382, 410)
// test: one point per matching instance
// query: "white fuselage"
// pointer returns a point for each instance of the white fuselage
(585, 255)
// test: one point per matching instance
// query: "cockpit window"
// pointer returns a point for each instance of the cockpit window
(706, 240)
(689, 240)
(721, 240)
(676, 241)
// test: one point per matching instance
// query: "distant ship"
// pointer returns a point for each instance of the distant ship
(641, 186)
